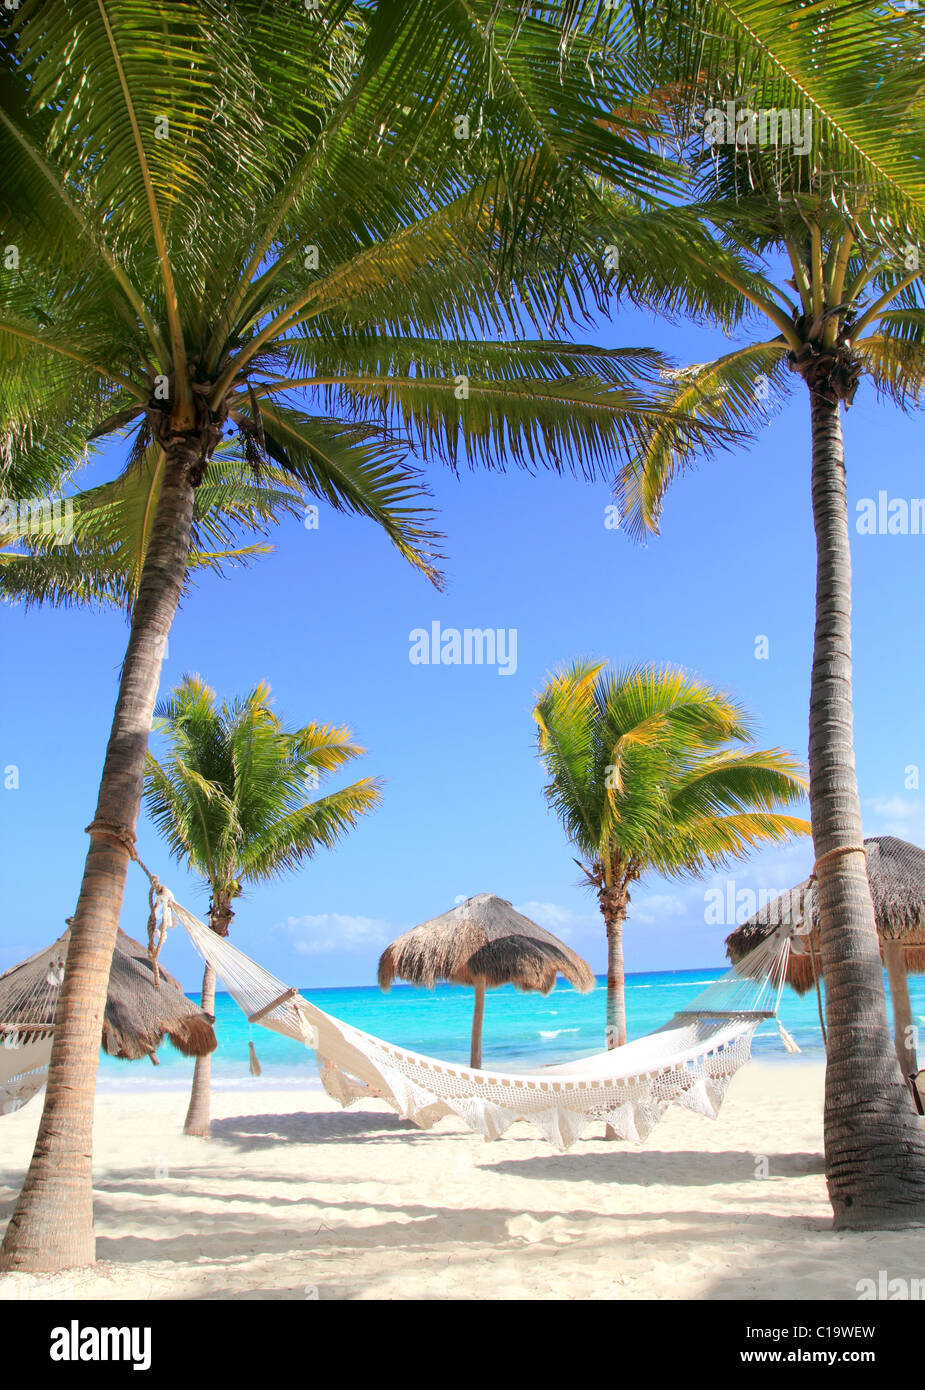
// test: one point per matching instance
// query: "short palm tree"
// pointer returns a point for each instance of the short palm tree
(652, 771)
(232, 800)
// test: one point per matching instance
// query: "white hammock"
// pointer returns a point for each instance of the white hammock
(688, 1062)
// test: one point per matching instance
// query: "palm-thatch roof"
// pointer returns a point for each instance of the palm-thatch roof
(483, 940)
(138, 1016)
(896, 873)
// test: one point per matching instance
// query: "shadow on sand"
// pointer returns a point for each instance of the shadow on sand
(301, 1218)
(314, 1127)
(656, 1168)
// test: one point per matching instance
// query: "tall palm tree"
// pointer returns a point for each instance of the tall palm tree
(837, 276)
(652, 771)
(232, 800)
(250, 201)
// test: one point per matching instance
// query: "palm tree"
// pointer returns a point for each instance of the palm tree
(232, 801)
(652, 771)
(250, 201)
(837, 277)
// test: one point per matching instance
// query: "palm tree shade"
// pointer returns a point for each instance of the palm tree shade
(232, 799)
(483, 942)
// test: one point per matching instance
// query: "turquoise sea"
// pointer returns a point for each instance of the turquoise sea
(521, 1030)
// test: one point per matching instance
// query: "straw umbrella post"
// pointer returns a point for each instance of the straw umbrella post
(483, 943)
(896, 873)
(139, 1012)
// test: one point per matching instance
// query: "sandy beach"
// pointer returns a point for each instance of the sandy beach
(298, 1199)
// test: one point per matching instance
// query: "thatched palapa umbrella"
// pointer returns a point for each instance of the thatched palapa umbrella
(896, 873)
(139, 1013)
(483, 943)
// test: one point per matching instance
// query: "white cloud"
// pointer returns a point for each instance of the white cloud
(767, 872)
(560, 920)
(335, 931)
(903, 816)
(657, 907)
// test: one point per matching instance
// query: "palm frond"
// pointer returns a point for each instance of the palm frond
(354, 470)
(894, 354)
(99, 560)
(855, 66)
(735, 393)
(232, 798)
(653, 770)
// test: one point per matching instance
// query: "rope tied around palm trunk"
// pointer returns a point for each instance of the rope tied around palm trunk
(834, 853)
(160, 898)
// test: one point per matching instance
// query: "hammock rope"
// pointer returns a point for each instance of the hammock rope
(27, 1026)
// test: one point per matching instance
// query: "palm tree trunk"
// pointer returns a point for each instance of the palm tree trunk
(52, 1224)
(199, 1114)
(874, 1143)
(614, 915)
(478, 1014)
(616, 982)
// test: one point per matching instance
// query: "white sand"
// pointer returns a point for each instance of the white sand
(299, 1199)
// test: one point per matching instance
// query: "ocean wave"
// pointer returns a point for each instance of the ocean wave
(555, 1032)
(285, 1081)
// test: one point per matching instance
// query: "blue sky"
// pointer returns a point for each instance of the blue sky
(327, 618)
